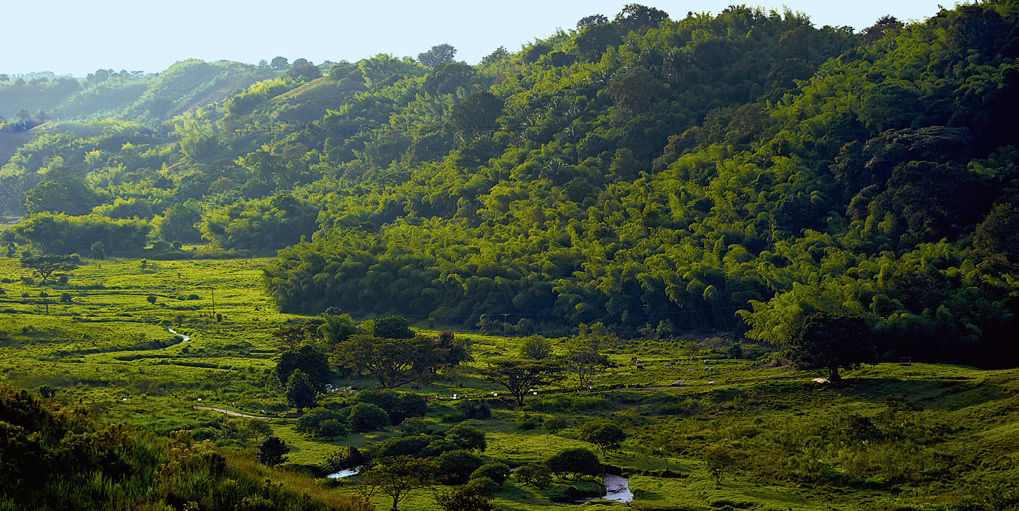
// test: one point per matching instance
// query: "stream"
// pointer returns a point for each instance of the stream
(344, 473)
(617, 488)
(183, 338)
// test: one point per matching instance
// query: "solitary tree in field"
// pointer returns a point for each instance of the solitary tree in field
(397, 477)
(47, 265)
(520, 375)
(718, 460)
(830, 341)
(271, 451)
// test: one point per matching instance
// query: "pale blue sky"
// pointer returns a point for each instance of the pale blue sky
(79, 36)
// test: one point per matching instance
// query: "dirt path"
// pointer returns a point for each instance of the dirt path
(231, 412)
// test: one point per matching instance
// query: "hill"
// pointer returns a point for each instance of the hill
(738, 172)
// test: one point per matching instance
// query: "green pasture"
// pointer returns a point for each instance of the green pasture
(109, 348)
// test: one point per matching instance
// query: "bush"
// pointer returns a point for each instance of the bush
(415, 426)
(456, 467)
(536, 347)
(555, 424)
(575, 460)
(310, 422)
(331, 428)
(484, 486)
(474, 409)
(605, 435)
(399, 446)
(466, 437)
(495, 471)
(366, 417)
(529, 423)
(342, 459)
(398, 406)
(271, 451)
(464, 498)
(538, 476)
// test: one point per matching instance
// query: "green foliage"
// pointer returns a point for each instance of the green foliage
(495, 471)
(398, 406)
(455, 467)
(520, 377)
(466, 437)
(272, 451)
(605, 435)
(299, 391)
(46, 265)
(538, 476)
(574, 461)
(367, 417)
(830, 342)
(309, 360)
(62, 234)
(536, 347)
(463, 498)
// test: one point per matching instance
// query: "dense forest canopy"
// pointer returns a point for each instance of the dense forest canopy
(739, 171)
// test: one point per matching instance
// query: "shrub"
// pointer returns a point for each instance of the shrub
(555, 424)
(529, 423)
(536, 347)
(344, 458)
(398, 406)
(366, 417)
(455, 467)
(484, 486)
(331, 428)
(464, 498)
(605, 435)
(495, 471)
(575, 460)
(466, 437)
(271, 451)
(309, 422)
(399, 446)
(538, 476)
(414, 426)
(474, 409)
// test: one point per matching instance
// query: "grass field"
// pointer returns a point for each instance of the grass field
(892, 437)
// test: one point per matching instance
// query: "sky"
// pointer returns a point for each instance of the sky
(77, 37)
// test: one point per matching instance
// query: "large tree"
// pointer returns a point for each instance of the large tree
(47, 265)
(519, 376)
(392, 362)
(437, 55)
(830, 341)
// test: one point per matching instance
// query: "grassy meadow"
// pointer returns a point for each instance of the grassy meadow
(917, 436)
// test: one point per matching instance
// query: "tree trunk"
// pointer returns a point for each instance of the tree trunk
(833, 374)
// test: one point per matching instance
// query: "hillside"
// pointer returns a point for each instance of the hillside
(733, 172)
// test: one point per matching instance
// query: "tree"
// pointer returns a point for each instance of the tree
(397, 477)
(438, 55)
(392, 362)
(575, 460)
(271, 451)
(585, 362)
(393, 327)
(464, 498)
(300, 392)
(466, 437)
(279, 63)
(456, 466)
(830, 341)
(47, 265)
(536, 347)
(519, 376)
(310, 360)
(639, 17)
(63, 190)
(98, 250)
(605, 435)
(367, 417)
(594, 19)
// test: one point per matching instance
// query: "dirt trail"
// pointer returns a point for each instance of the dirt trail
(231, 412)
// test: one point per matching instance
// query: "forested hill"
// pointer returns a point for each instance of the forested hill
(736, 171)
